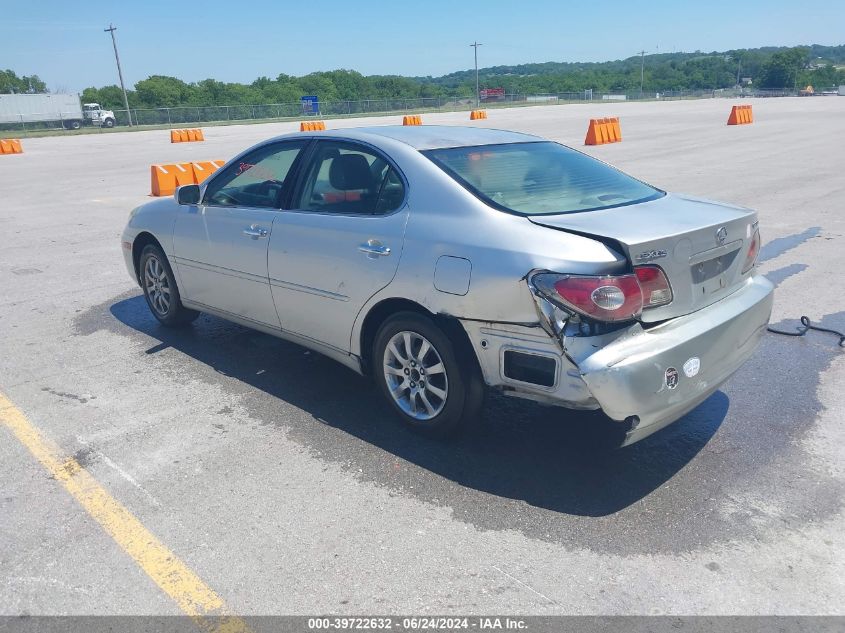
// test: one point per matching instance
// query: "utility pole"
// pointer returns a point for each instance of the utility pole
(475, 45)
(111, 30)
(642, 71)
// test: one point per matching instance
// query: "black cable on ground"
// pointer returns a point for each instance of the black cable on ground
(807, 326)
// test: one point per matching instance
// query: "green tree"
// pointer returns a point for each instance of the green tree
(318, 84)
(775, 67)
(783, 67)
(159, 91)
(822, 78)
(348, 84)
(109, 97)
(34, 83)
(283, 89)
(239, 94)
(10, 82)
(210, 92)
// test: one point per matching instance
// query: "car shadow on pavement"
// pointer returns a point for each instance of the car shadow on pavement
(520, 450)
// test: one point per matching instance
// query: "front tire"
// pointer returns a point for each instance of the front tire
(160, 290)
(108, 123)
(418, 373)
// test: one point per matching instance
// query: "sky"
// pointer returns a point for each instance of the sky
(238, 41)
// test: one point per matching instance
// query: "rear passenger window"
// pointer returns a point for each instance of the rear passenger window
(348, 179)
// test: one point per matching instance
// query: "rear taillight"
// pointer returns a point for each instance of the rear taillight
(606, 298)
(654, 285)
(753, 252)
(616, 298)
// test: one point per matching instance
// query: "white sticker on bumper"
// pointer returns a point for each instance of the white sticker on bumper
(692, 366)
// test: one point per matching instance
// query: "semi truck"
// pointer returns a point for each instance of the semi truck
(66, 110)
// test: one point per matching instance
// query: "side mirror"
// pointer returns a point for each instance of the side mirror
(188, 194)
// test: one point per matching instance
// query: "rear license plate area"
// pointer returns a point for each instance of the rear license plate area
(709, 275)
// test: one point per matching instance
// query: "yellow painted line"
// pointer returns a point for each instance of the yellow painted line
(172, 576)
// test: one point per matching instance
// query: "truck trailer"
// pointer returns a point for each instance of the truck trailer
(63, 109)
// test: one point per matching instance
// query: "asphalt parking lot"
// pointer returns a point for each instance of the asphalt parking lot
(280, 480)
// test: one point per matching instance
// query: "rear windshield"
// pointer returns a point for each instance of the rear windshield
(541, 178)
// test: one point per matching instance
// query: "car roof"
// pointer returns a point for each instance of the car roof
(424, 137)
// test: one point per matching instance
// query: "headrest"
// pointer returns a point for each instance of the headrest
(350, 171)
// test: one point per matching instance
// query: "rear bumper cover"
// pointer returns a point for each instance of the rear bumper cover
(642, 373)
(625, 372)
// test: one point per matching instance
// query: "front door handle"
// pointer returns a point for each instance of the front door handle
(374, 248)
(255, 232)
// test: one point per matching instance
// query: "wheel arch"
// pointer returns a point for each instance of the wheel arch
(386, 308)
(141, 241)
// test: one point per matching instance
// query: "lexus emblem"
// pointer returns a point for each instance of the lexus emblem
(721, 235)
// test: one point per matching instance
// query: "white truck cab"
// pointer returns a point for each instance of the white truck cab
(97, 116)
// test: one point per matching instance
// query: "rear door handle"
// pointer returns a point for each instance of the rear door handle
(374, 248)
(255, 232)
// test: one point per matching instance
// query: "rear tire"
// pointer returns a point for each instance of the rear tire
(419, 374)
(159, 285)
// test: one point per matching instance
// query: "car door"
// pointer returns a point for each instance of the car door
(340, 241)
(220, 245)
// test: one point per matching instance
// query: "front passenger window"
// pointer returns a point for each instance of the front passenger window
(348, 179)
(256, 180)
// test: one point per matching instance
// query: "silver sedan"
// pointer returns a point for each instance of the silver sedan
(446, 261)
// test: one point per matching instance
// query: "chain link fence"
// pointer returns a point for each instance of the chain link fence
(182, 115)
(185, 116)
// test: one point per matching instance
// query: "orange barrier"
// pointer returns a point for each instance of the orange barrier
(10, 146)
(312, 126)
(477, 114)
(601, 131)
(185, 136)
(165, 178)
(617, 129)
(204, 168)
(412, 119)
(741, 115)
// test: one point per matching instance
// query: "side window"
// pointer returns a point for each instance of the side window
(346, 178)
(256, 180)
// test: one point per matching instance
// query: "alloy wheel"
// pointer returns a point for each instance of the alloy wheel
(157, 285)
(415, 375)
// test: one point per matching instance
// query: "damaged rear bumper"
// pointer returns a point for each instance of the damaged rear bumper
(661, 373)
(647, 377)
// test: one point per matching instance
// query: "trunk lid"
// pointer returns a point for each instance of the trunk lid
(701, 245)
